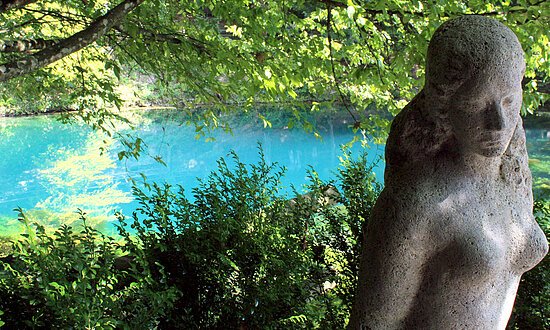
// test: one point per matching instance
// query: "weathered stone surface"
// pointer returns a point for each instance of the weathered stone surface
(453, 229)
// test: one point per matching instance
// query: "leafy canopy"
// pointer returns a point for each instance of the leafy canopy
(368, 56)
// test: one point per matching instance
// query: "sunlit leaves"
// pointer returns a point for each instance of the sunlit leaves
(231, 54)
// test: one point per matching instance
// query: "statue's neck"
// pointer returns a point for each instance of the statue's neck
(477, 166)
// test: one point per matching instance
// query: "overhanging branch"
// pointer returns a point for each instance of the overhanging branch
(503, 10)
(19, 46)
(67, 46)
(174, 38)
(13, 4)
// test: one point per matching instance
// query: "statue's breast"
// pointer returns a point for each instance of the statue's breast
(528, 244)
(492, 232)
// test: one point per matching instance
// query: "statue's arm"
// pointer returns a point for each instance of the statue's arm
(397, 246)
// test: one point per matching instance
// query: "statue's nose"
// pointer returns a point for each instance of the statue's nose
(495, 117)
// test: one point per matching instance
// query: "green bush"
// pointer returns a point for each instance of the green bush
(243, 255)
(72, 280)
(239, 254)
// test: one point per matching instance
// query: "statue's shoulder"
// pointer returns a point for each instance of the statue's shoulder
(408, 209)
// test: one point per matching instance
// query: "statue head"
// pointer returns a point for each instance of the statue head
(470, 103)
(474, 70)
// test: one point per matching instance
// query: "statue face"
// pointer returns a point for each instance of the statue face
(484, 112)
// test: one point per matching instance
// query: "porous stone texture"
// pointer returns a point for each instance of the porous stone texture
(453, 229)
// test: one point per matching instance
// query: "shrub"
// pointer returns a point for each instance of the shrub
(245, 256)
(71, 280)
(240, 254)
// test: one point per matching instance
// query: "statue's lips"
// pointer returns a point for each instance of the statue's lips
(492, 141)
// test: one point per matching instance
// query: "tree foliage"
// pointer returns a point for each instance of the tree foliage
(366, 55)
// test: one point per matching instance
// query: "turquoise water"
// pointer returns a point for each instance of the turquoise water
(50, 169)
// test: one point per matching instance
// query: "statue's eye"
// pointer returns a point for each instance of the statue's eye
(471, 106)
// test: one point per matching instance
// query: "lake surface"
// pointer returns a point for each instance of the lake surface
(50, 169)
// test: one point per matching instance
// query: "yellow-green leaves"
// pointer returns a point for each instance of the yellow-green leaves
(235, 30)
(228, 53)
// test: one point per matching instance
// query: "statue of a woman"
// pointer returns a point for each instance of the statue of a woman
(453, 230)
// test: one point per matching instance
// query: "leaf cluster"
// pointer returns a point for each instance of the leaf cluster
(367, 56)
(76, 279)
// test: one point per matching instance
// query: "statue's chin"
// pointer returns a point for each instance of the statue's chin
(486, 148)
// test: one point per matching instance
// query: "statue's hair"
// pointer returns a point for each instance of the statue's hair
(460, 49)
(468, 46)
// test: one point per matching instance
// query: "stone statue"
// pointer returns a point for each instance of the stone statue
(453, 230)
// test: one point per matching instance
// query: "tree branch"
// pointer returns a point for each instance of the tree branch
(175, 38)
(331, 54)
(81, 39)
(74, 18)
(332, 3)
(13, 4)
(421, 14)
(19, 46)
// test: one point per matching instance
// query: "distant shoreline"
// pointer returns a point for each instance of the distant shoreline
(540, 119)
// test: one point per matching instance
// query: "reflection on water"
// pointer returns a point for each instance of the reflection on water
(51, 169)
(78, 178)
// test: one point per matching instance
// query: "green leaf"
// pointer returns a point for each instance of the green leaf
(350, 11)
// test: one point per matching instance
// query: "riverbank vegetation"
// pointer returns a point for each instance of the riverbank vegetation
(240, 254)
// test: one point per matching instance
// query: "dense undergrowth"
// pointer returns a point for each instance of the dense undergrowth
(240, 254)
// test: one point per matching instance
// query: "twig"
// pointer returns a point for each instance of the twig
(331, 54)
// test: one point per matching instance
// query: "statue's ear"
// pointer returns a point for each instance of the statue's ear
(517, 146)
(515, 163)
